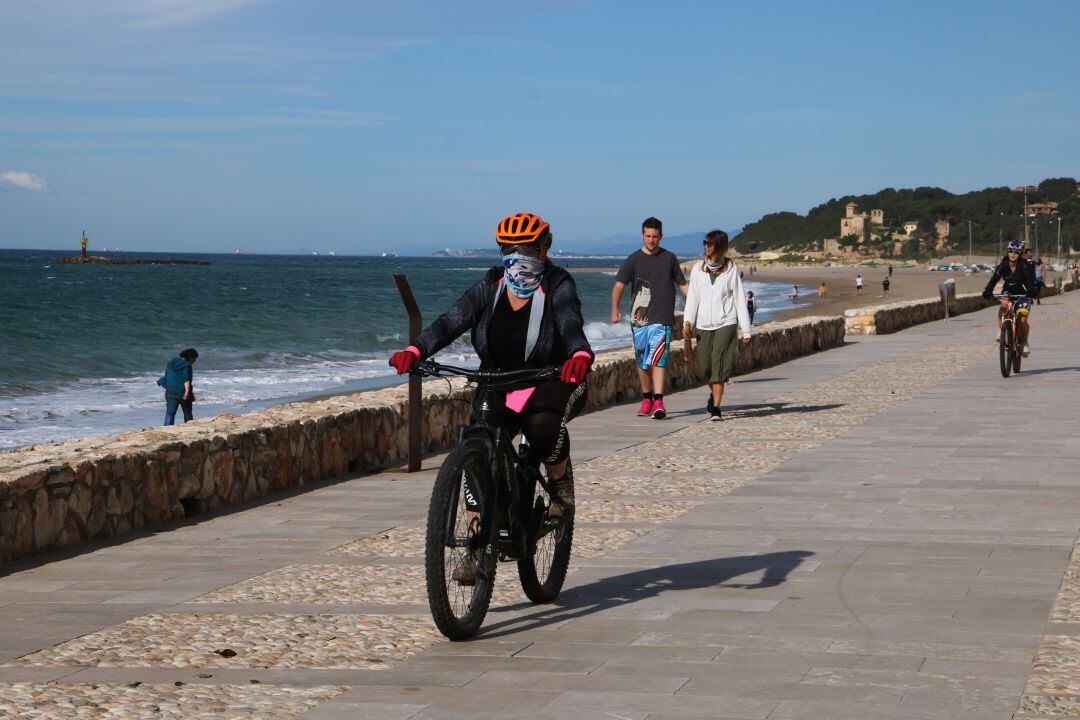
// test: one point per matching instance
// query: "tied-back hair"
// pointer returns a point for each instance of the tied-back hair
(719, 239)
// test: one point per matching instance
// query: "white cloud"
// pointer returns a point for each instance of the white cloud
(24, 180)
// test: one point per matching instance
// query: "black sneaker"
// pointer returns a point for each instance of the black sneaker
(708, 404)
(714, 414)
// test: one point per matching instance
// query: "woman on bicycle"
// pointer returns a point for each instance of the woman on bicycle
(524, 314)
(1019, 279)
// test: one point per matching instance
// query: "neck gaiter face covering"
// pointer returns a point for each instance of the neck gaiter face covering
(713, 266)
(522, 273)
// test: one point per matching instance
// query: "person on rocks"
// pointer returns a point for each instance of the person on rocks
(715, 312)
(177, 384)
(523, 314)
(653, 274)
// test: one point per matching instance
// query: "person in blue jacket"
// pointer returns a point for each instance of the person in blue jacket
(177, 384)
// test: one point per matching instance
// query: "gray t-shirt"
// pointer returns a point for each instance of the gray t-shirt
(652, 279)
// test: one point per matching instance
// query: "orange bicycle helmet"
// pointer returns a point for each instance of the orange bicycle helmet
(523, 229)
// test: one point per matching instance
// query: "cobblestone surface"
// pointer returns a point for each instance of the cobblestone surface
(600, 483)
(194, 640)
(593, 542)
(56, 701)
(343, 585)
(395, 542)
(1067, 604)
(632, 512)
(668, 463)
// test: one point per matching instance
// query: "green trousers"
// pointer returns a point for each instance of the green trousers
(716, 353)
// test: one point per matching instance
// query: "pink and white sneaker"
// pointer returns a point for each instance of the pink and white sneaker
(659, 412)
(646, 408)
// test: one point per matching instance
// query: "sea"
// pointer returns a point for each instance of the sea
(82, 346)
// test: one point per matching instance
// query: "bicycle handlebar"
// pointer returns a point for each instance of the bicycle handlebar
(431, 368)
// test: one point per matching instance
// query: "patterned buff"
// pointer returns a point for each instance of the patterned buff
(523, 274)
(713, 267)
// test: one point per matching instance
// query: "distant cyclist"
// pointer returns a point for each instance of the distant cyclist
(1018, 276)
(524, 314)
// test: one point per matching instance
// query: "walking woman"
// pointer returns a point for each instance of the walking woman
(715, 313)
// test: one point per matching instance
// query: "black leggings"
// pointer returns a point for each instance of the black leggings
(543, 419)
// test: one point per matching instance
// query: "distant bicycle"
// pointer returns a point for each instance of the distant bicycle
(1009, 347)
(489, 504)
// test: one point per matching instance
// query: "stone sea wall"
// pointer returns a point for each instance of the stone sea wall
(58, 495)
(892, 317)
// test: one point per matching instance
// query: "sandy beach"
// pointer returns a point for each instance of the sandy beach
(907, 283)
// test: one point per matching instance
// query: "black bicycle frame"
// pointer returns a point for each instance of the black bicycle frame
(509, 472)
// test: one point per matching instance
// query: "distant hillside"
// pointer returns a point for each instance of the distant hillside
(989, 210)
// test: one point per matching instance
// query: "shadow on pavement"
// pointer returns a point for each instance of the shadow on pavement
(1041, 371)
(778, 408)
(621, 590)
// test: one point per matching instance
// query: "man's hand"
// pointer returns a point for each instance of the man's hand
(616, 316)
(745, 340)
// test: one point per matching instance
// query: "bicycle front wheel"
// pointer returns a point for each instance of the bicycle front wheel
(543, 572)
(459, 566)
(1005, 348)
(1017, 355)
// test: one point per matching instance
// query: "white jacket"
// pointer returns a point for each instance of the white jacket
(714, 304)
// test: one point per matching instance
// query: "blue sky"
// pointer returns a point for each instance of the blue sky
(274, 126)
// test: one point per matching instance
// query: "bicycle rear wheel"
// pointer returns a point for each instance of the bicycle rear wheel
(1005, 348)
(543, 572)
(457, 607)
(1017, 355)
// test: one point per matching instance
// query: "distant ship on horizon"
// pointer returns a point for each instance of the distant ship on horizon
(389, 253)
(332, 253)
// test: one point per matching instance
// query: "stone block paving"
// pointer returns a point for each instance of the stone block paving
(858, 539)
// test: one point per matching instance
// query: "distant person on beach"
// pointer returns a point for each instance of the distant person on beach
(822, 291)
(715, 312)
(794, 293)
(751, 306)
(1040, 280)
(890, 271)
(523, 314)
(858, 284)
(885, 284)
(653, 273)
(177, 383)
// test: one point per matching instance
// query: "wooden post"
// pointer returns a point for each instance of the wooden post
(415, 398)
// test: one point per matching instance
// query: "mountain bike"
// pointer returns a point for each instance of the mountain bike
(1009, 346)
(489, 504)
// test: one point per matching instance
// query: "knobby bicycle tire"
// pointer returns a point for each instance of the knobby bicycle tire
(1017, 355)
(458, 610)
(1005, 348)
(543, 571)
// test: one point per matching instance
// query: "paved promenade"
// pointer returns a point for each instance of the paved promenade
(884, 530)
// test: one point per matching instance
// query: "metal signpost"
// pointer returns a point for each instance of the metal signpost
(415, 324)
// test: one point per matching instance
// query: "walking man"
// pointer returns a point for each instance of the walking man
(885, 284)
(177, 383)
(858, 284)
(653, 274)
